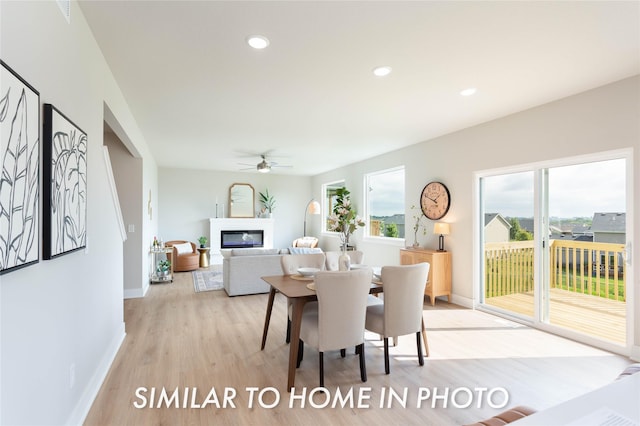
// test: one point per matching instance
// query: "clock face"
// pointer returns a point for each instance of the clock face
(435, 200)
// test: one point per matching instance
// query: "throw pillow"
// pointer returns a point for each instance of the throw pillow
(183, 248)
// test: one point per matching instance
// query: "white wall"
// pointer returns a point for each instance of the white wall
(65, 313)
(599, 120)
(188, 200)
(127, 172)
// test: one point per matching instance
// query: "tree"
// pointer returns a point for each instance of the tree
(516, 233)
(391, 230)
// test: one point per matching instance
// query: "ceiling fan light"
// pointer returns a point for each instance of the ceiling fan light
(263, 167)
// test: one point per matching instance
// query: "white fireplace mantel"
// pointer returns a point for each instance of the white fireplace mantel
(216, 225)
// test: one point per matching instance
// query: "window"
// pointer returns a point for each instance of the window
(384, 201)
(329, 191)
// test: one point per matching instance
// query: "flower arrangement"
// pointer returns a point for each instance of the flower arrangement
(344, 218)
(417, 218)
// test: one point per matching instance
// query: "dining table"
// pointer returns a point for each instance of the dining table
(295, 288)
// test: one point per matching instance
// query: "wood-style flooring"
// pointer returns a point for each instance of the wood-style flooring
(177, 338)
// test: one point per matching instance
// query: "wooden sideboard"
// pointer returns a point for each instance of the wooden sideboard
(439, 280)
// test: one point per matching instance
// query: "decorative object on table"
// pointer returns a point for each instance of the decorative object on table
(241, 200)
(313, 207)
(19, 186)
(435, 200)
(207, 281)
(64, 185)
(268, 203)
(345, 221)
(163, 268)
(203, 241)
(417, 218)
(443, 229)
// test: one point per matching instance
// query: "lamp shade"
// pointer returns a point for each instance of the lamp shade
(313, 207)
(441, 228)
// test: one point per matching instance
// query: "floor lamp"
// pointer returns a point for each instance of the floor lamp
(313, 207)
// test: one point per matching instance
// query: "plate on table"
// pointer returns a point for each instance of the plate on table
(312, 286)
(307, 272)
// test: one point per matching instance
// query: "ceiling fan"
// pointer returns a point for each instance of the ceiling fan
(263, 166)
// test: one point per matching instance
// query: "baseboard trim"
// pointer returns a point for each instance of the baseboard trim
(462, 301)
(81, 410)
(136, 293)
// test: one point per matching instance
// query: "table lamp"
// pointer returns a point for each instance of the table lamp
(442, 229)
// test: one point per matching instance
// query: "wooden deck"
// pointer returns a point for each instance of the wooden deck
(596, 316)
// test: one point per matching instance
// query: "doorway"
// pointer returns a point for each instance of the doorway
(552, 242)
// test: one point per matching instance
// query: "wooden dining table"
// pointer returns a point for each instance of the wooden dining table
(296, 290)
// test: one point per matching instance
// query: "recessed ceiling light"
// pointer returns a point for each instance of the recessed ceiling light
(468, 92)
(381, 71)
(258, 41)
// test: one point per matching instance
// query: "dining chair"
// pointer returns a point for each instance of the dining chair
(290, 264)
(400, 312)
(339, 320)
(357, 257)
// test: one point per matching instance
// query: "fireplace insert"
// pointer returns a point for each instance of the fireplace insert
(241, 239)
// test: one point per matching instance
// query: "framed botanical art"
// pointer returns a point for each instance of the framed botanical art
(19, 181)
(64, 180)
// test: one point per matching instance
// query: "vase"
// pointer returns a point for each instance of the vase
(344, 261)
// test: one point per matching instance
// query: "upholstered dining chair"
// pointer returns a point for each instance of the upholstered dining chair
(290, 264)
(339, 320)
(401, 311)
(357, 257)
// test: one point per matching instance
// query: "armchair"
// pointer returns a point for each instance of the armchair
(184, 255)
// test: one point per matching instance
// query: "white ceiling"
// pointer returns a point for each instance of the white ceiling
(204, 99)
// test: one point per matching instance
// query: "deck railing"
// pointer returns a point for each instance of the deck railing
(583, 267)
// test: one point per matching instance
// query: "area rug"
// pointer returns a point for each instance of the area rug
(207, 280)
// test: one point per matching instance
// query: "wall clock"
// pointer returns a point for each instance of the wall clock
(435, 200)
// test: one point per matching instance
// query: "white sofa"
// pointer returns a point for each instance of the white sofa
(242, 269)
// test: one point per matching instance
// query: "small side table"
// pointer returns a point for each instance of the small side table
(204, 257)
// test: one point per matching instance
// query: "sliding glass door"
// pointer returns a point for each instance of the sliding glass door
(553, 246)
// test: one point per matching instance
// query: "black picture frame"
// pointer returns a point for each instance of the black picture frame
(20, 174)
(64, 180)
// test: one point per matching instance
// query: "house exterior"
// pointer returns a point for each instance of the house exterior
(496, 228)
(609, 228)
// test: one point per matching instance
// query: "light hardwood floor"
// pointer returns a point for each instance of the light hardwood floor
(179, 338)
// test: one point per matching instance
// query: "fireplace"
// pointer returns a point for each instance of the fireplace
(241, 238)
(217, 225)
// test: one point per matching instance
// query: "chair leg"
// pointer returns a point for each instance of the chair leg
(424, 337)
(321, 360)
(386, 355)
(300, 352)
(288, 338)
(420, 358)
(363, 365)
(343, 353)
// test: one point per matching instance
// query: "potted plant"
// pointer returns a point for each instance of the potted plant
(163, 268)
(268, 202)
(203, 241)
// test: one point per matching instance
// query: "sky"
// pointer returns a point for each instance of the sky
(574, 191)
(386, 193)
